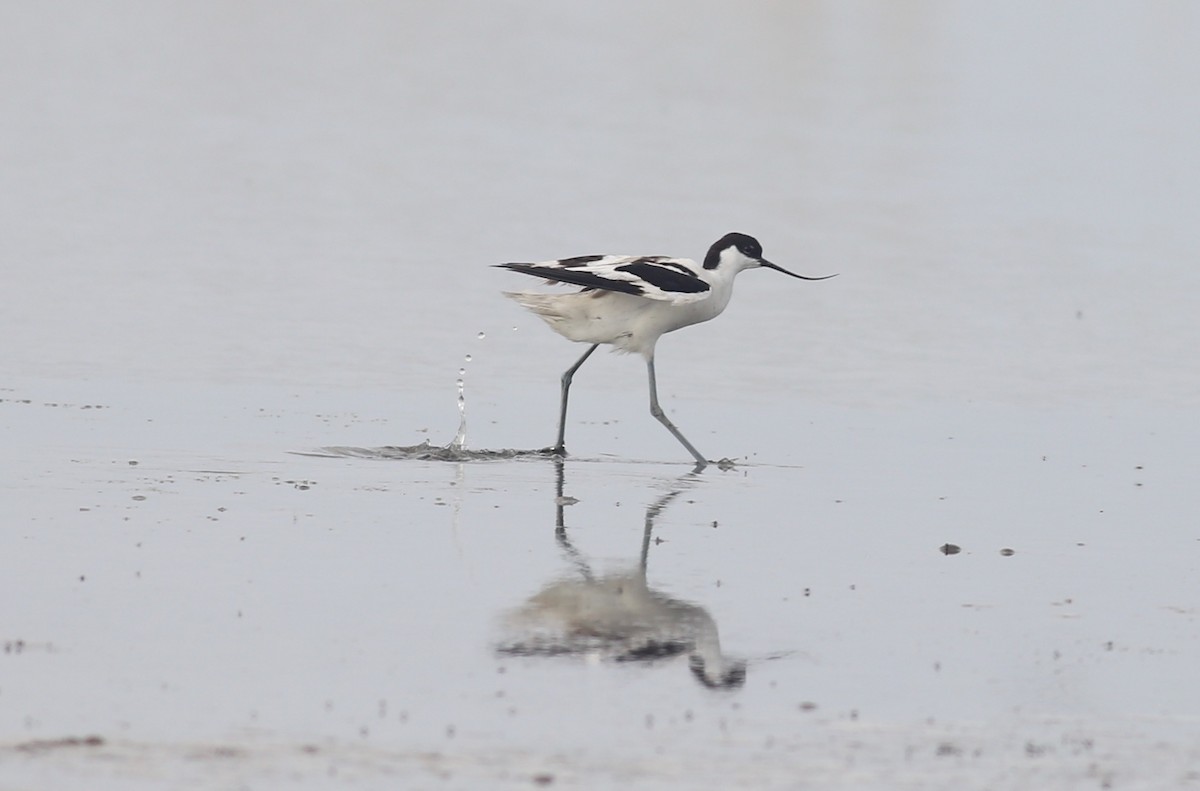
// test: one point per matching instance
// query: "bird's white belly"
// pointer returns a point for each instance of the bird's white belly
(630, 323)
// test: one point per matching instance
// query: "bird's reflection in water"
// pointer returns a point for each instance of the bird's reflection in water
(618, 617)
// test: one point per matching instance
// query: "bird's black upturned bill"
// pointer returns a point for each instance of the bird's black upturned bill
(778, 268)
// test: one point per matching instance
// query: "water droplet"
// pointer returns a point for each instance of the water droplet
(468, 358)
(514, 328)
(481, 335)
(461, 373)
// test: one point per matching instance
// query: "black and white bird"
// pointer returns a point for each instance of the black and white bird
(632, 301)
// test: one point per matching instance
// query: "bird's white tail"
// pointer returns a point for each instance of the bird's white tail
(548, 306)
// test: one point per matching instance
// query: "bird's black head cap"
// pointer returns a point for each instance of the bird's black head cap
(746, 245)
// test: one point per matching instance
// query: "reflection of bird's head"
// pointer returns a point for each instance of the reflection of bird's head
(723, 675)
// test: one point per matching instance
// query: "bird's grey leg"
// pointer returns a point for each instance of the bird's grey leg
(658, 413)
(566, 388)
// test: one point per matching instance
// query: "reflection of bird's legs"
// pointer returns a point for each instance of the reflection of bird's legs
(652, 513)
(560, 527)
(559, 482)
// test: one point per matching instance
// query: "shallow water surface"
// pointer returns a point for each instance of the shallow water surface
(376, 610)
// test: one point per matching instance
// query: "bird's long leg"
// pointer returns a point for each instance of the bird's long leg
(566, 389)
(658, 413)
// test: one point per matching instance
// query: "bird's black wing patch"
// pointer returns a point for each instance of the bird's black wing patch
(579, 260)
(577, 277)
(676, 279)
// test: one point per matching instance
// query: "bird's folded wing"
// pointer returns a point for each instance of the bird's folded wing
(654, 277)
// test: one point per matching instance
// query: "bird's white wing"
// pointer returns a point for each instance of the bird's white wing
(652, 276)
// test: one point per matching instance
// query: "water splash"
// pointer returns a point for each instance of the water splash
(459, 443)
(457, 449)
(460, 439)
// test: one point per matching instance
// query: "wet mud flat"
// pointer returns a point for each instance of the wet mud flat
(922, 756)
